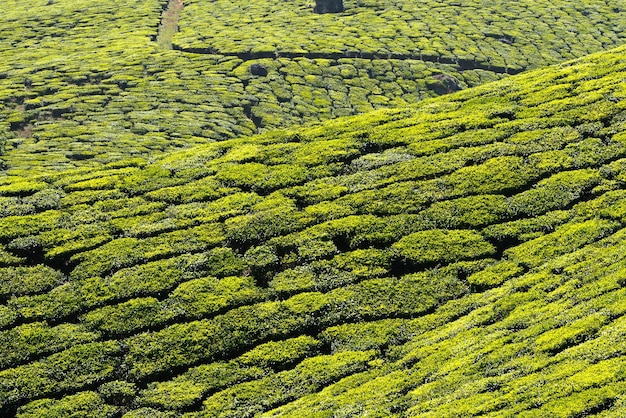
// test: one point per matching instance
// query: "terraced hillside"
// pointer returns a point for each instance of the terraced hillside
(89, 82)
(465, 256)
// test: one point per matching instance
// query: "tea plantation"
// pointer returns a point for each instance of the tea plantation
(464, 256)
(164, 253)
(88, 82)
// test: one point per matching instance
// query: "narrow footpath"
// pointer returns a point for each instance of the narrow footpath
(169, 23)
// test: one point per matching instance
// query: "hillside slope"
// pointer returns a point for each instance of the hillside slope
(87, 82)
(461, 257)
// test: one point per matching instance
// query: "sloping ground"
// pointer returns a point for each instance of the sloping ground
(464, 256)
(90, 82)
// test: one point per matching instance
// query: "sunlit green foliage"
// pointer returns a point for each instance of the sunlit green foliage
(90, 83)
(83, 404)
(442, 245)
(507, 34)
(462, 256)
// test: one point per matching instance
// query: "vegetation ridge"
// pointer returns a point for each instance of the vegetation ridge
(463, 64)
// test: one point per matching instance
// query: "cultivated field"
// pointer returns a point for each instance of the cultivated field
(90, 82)
(464, 256)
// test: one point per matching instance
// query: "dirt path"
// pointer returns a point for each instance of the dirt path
(169, 23)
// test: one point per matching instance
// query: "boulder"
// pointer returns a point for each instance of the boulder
(328, 6)
(258, 69)
(445, 84)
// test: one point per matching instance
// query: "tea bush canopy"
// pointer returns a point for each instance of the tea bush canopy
(87, 83)
(463, 256)
(438, 229)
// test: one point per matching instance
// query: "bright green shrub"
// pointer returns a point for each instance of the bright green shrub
(352, 232)
(86, 197)
(592, 152)
(18, 281)
(325, 151)
(410, 295)
(280, 354)
(261, 260)
(8, 315)
(301, 278)
(440, 246)
(118, 392)
(499, 174)
(64, 242)
(555, 192)
(147, 225)
(582, 403)
(260, 178)
(14, 206)
(182, 344)
(319, 275)
(530, 142)
(495, 274)
(126, 252)
(22, 188)
(46, 199)
(62, 301)
(348, 396)
(309, 249)
(324, 211)
(188, 388)
(20, 226)
(558, 339)
(71, 369)
(316, 191)
(208, 295)
(599, 374)
(250, 398)
(365, 336)
(564, 239)
(126, 317)
(143, 280)
(127, 207)
(37, 339)
(365, 263)
(99, 183)
(84, 176)
(472, 211)
(150, 413)
(205, 189)
(223, 262)
(526, 229)
(274, 217)
(83, 404)
(152, 178)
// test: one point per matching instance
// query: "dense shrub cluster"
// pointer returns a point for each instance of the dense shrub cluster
(509, 34)
(464, 256)
(89, 84)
